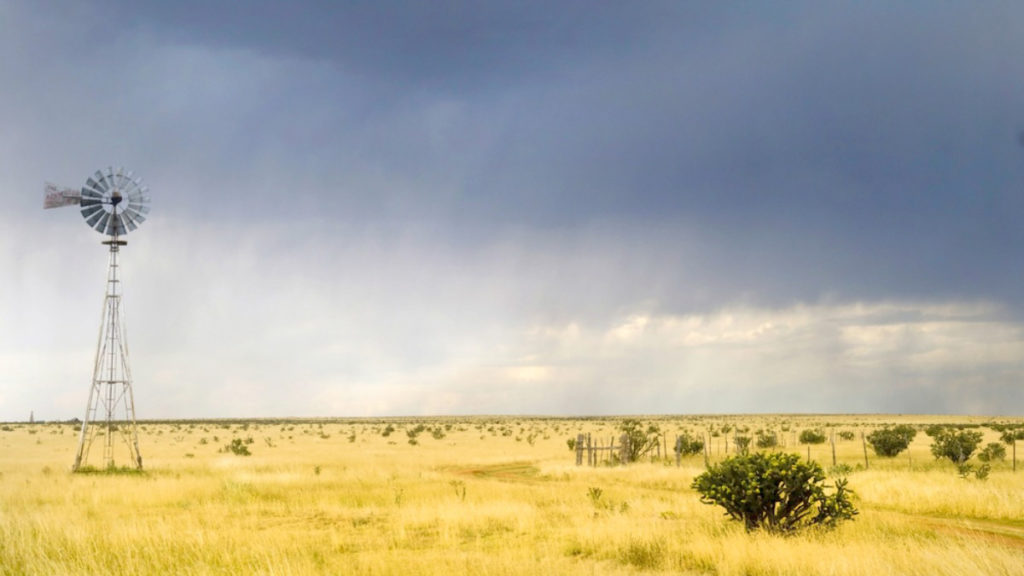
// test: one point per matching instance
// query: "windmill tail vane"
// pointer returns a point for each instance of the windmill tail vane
(57, 197)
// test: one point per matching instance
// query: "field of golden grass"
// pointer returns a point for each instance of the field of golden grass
(476, 496)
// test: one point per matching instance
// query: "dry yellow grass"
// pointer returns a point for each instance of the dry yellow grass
(493, 496)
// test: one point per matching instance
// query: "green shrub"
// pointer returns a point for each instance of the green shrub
(812, 437)
(955, 445)
(742, 444)
(767, 439)
(982, 472)
(641, 440)
(889, 442)
(238, 448)
(414, 432)
(1010, 437)
(687, 445)
(776, 492)
(846, 435)
(992, 452)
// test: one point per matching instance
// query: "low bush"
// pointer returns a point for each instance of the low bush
(1010, 436)
(641, 440)
(992, 452)
(889, 442)
(742, 444)
(687, 445)
(238, 447)
(955, 445)
(777, 492)
(812, 437)
(767, 439)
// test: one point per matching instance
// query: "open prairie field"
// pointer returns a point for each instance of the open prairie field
(480, 495)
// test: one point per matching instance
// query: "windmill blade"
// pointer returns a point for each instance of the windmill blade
(89, 211)
(129, 222)
(138, 206)
(105, 183)
(94, 184)
(137, 218)
(115, 227)
(98, 221)
(98, 181)
(121, 226)
(122, 182)
(108, 229)
(137, 195)
(132, 217)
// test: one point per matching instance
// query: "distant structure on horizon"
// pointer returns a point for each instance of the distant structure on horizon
(113, 203)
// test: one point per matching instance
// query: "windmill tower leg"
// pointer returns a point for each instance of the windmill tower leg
(110, 411)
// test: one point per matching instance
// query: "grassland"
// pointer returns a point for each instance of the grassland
(476, 496)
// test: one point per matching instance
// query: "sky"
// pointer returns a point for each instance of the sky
(550, 208)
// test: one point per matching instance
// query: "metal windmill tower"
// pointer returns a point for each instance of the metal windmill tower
(113, 202)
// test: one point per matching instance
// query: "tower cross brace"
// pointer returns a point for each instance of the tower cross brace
(110, 412)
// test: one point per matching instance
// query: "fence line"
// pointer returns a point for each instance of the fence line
(597, 452)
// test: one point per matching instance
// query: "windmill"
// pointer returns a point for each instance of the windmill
(113, 202)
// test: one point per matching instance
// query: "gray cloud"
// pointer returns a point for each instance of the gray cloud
(359, 178)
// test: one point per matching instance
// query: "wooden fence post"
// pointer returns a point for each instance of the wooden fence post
(832, 440)
(865, 445)
(579, 449)
(590, 452)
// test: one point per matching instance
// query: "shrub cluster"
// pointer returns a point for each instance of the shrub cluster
(776, 492)
(993, 451)
(688, 445)
(889, 442)
(955, 445)
(641, 440)
(742, 444)
(238, 447)
(812, 437)
(767, 439)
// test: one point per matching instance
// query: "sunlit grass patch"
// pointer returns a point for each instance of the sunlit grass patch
(312, 505)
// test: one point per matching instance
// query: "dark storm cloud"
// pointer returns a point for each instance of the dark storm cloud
(852, 150)
(448, 46)
(866, 150)
(434, 167)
